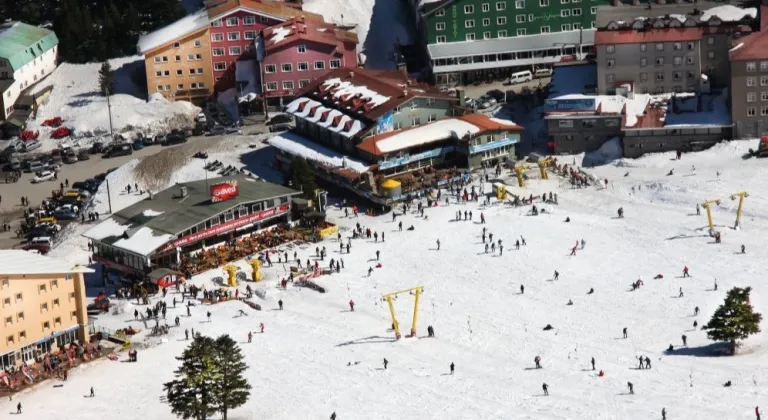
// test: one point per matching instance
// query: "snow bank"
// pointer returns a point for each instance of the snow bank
(729, 13)
(76, 98)
(297, 145)
(610, 150)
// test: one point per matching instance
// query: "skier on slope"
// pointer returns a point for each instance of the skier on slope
(537, 360)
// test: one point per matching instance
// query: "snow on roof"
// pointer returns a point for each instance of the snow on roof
(152, 213)
(614, 104)
(279, 34)
(105, 229)
(439, 130)
(16, 261)
(297, 145)
(741, 44)
(503, 121)
(294, 105)
(714, 111)
(329, 120)
(307, 108)
(175, 30)
(346, 89)
(318, 113)
(143, 241)
(728, 13)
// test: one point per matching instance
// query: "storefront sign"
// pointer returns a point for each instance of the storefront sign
(226, 227)
(278, 93)
(224, 191)
(414, 158)
(586, 104)
(493, 145)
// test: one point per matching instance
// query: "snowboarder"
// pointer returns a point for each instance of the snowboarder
(250, 336)
(573, 250)
(698, 210)
(93, 394)
(557, 275)
(647, 362)
(370, 270)
(591, 291)
(593, 363)
(695, 324)
(400, 225)
(624, 331)
(545, 387)
(715, 284)
(280, 304)
(621, 212)
(685, 272)
(501, 249)
(486, 248)
(351, 305)
(631, 388)
(452, 367)
(189, 313)
(685, 340)
(537, 360)
(386, 362)
(570, 303)
(438, 244)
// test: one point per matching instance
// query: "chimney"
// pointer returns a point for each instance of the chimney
(351, 75)
(151, 195)
(183, 192)
(460, 95)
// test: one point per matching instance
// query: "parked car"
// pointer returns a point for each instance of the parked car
(99, 305)
(80, 186)
(83, 155)
(42, 177)
(160, 138)
(175, 138)
(496, 94)
(92, 184)
(64, 214)
(31, 145)
(43, 230)
(148, 141)
(98, 147)
(70, 156)
(34, 166)
(15, 146)
(14, 163)
(138, 144)
(42, 244)
(279, 127)
(120, 149)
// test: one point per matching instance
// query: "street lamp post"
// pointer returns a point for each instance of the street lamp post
(109, 110)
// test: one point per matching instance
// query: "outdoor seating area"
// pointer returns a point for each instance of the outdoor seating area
(425, 178)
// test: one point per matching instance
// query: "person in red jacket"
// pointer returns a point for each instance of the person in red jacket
(351, 305)
(685, 272)
(757, 412)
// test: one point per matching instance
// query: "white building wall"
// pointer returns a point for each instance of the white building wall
(28, 75)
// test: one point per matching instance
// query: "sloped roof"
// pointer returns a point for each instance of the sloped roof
(271, 8)
(295, 29)
(682, 34)
(18, 262)
(184, 26)
(21, 43)
(753, 46)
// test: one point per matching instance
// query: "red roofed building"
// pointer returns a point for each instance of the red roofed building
(749, 82)
(297, 51)
(667, 48)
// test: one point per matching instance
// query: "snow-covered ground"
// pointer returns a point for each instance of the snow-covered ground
(315, 357)
(77, 99)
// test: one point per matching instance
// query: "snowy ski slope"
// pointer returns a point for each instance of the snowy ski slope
(316, 357)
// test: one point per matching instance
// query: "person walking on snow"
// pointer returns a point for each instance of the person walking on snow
(631, 388)
(685, 272)
(93, 394)
(438, 244)
(625, 332)
(537, 360)
(663, 413)
(557, 275)
(593, 363)
(522, 289)
(377, 255)
(698, 210)
(18, 410)
(582, 244)
(261, 327)
(757, 411)
(351, 305)
(280, 304)
(452, 367)
(482, 218)
(370, 270)
(685, 340)
(695, 311)
(681, 293)
(250, 336)
(743, 249)
(573, 250)
(386, 362)
(545, 387)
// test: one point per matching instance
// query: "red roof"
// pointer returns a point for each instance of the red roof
(753, 46)
(683, 34)
(307, 30)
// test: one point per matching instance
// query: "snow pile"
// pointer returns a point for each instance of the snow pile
(76, 98)
(610, 151)
(297, 145)
(729, 13)
(436, 131)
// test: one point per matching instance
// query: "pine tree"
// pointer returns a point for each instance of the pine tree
(231, 389)
(302, 177)
(191, 394)
(106, 78)
(735, 319)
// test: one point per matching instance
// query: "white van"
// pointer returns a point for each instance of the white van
(543, 72)
(521, 77)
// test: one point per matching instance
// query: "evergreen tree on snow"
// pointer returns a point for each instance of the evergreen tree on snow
(231, 389)
(106, 78)
(191, 395)
(302, 177)
(735, 319)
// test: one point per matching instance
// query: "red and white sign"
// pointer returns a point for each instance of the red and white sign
(278, 93)
(224, 191)
(223, 228)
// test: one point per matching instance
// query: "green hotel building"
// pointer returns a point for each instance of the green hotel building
(478, 40)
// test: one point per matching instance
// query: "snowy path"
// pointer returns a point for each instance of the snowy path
(299, 366)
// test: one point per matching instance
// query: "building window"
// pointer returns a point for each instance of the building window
(751, 112)
(710, 40)
(565, 27)
(751, 67)
(9, 340)
(544, 29)
(46, 325)
(263, 19)
(565, 13)
(502, 20)
(486, 7)
(751, 97)
(180, 86)
(158, 73)
(19, 298)
(610, 77)
(502, 34)
(764, 110)
(643, 77)
(469, 9)
(469, 23)
(521, 32)
(6, 302)
(543, 3)
(217, 52)
(271, 86)
(198, 44)
(610, 49)
(192, 71)
(610, 63)
(42, 288)
(8, 321)
(217, 37)
(576, 12)
(319, 65)
(763, 80)
(690, 60)
(235, 51)
(470, 37)
(441, 39)
(677, 60)
(565, 123)
(415, 121)
(440, 26)
(531, 17)
(56, 303)
(216, 23)
(44, 307)
(440, 13)
(659, 61)
(302, 66)
(334, 64)
(270, 68)
(288, 84)
(249, 20)
(57, 321)
(286, 67)
(233, 36)
(677, 76)
(593, 10)
(750, 81)
(432, 117)
(219, 66)
(502, 5)
(643, 62)
(520, 19)
(250, 34)
(487, 35)
(764, 66)
(677, 46)
(764, 96)
(232, 21)
(303, 82)
(176, 45)
(659, 47)
(486, 21)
